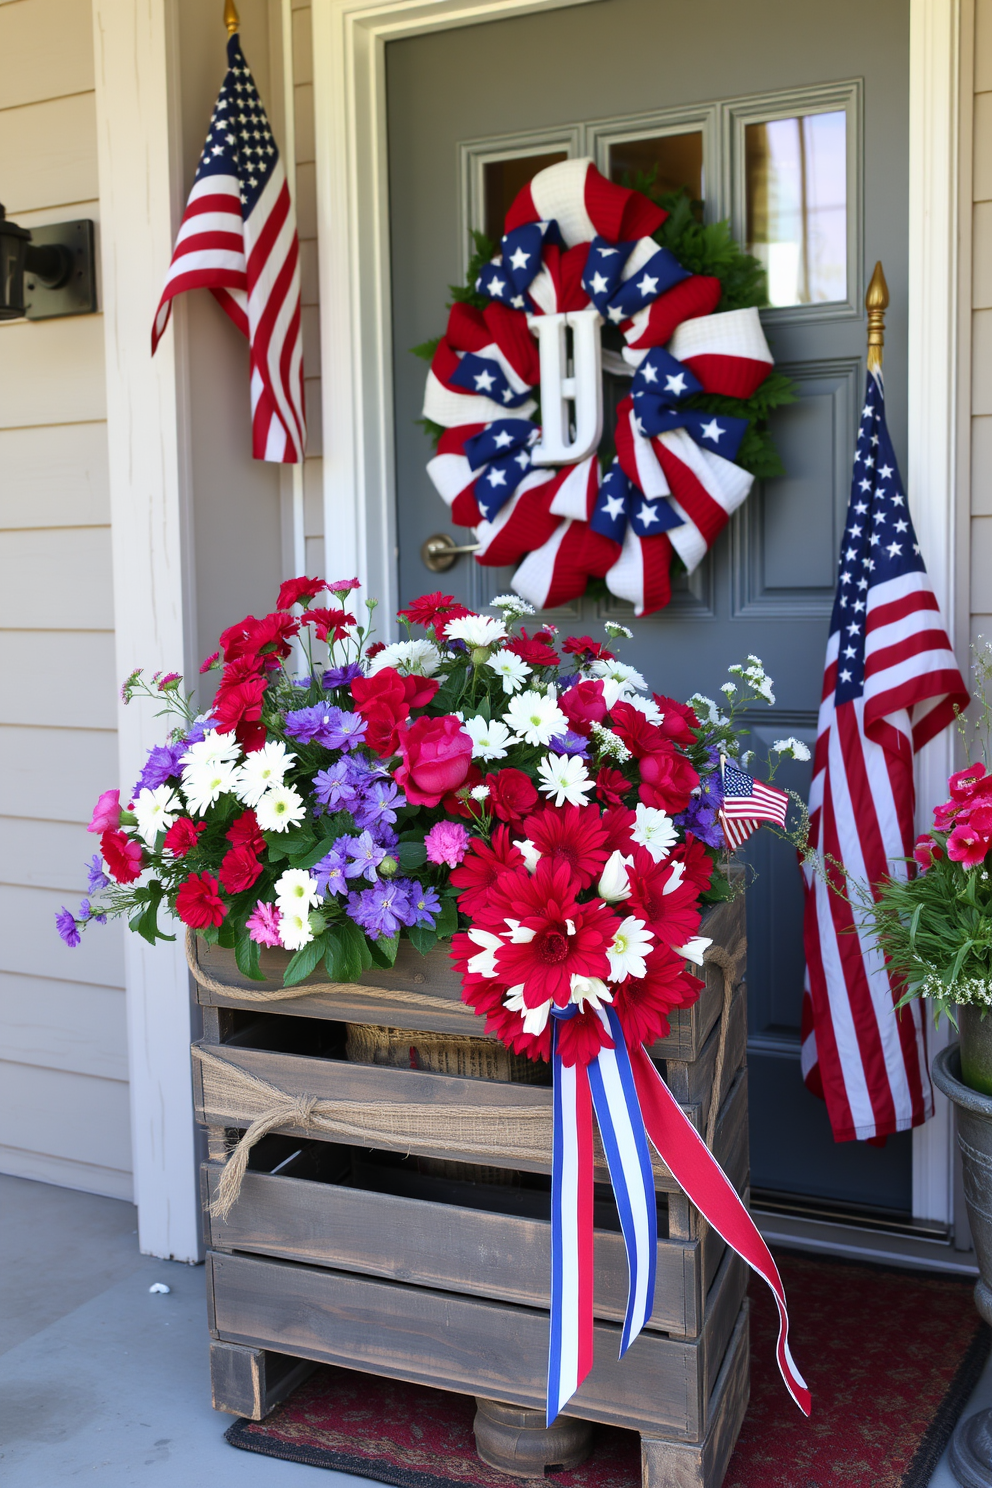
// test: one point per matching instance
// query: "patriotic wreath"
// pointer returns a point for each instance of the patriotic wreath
(689, 438)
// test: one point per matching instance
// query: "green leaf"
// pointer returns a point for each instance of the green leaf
(412, 855)
(423, 938)
(246, 954)
(447, 921)
(383, 951)
(355, 954)
(304, 962)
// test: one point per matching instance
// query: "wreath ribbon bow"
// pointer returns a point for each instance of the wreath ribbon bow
(632, 1105)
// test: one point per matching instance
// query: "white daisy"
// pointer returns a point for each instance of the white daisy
(261, 769)
(490, 740)
(535, 1018)
(536, 717)
(294, 928)
(694, 948)
(644, 705)
(408, 657)
(614, 884)
(475, 630)
(212, 749)
(510, 668)
(630, 945)
(619, 671)
(155, 811)
(204, 783)
(279, 808)
(296, 890)
(654, 830)
(591, 990)
(564, 777)
(483, 963)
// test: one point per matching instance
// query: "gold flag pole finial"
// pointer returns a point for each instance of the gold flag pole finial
(231, 18)
(876, 303)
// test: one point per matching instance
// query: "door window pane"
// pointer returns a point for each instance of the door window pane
(677, 159)
(796, 192)
(502, 179)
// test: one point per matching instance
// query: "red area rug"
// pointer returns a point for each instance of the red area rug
(891, 1357)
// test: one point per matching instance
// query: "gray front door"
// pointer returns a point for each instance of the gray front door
(792, 121)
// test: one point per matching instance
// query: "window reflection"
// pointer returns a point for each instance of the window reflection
(502, 179)
(677, 159)
(796, 185)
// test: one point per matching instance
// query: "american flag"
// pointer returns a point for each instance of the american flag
(747, 803)
(890, 685)
(238, 239)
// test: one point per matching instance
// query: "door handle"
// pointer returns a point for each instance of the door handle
(441, 552)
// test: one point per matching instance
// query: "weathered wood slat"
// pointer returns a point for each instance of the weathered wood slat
(454, 1249)
(252, 1381)
(674, 1464)
(692, 1083)
(472, 1346)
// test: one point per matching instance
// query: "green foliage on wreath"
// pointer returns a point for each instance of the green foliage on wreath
(702, 248)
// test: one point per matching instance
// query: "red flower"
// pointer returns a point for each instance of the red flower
(239, 703)
(198, 902)
(417, 690)
(586, 646)
(341, 586)
(481, 870)
(297, 591)
(335, 623)
(611, 786)
(679, 721)
(698, 863)
(583, 705)
(927, 851)
(581, 1038)
(568, 938)
(209, 662)
(122, 856)
(663, 897)
(637, 732)
(239, 869)
(512, 794)
(459, 802)
(267, 639)
(619, 822)
(381, 700)
(487, 999)
(966, 845)
(969, 782)
(643, 1005)
(436, 753)
(536, 651)
(182, 836)
(375, 648)
(429, 608)
(573, 835)
(667, 780)
(243, 832)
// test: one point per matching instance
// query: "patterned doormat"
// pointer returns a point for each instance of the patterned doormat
(891, 1357)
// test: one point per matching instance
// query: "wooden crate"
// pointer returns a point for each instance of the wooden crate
(337, 1252)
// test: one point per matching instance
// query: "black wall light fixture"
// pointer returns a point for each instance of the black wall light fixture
(46, 271)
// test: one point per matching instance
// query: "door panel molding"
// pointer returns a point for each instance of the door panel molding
(474, 155)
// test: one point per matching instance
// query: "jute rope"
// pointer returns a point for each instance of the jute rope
(729, 965)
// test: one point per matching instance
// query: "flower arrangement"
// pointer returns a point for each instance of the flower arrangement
(527, 800)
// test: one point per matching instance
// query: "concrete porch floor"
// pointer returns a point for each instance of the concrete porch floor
(102, 1382)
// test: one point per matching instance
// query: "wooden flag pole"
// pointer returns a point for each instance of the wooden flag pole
(233, 21)
(876, 303)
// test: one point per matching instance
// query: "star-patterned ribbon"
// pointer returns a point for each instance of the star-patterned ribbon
(500, 452)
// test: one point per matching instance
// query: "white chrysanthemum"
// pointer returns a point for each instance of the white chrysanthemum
(536, 717)
(479, 793)
(155, 811)
(591, 990)
(654, 830)
(614, 883)
(535, 1018)
(565, 778)
(511, 605)
(530, 854)
(294, 928)
(475, 630)
(511, 669)
(280, 808)
(296, 890)
(619, 671)
(490, 740)
(204, 783)
(693, 949)
(261, 769)
(212, 749)
(408, 657)
(792, 747)
(627, 950)
(483, 963)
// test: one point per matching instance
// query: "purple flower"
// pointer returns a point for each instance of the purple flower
(424, 905)
(312, 725)
(330, 871)
(65, 924)
(334, 788)
(380, 910)
(161, 765)
(341, 676)
(198, 732)
(96, 878)
(379, 805)
(564, 683)
(570, 743)
(86, 913)
(365, 855)
(350, 731)
(702, 819)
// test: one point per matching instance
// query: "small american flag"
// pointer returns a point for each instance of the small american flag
(238, 239)
(747, 803)
(890, 685)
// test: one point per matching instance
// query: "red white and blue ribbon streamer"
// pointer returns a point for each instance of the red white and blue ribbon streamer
(632, 1104)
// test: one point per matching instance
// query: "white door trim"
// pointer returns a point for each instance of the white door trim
(353, 225)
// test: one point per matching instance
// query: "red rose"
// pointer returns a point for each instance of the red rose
(640, 736)
(295, 591)
(437, 753)
(419, 690)
(512, 795)
(667, 781)
(122, 856)
(679, 721)
(381, 700)
(183, 835)
(583, 705)
(243, 832)
(198, 902)
(611, 786)
(239, 869)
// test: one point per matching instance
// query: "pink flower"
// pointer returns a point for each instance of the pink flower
(437, 753)
(341, 586)
(106, 813)
(927, 851)
(966, 846)
(263, 925)
(446, 843)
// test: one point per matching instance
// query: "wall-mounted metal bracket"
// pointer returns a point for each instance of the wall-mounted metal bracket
(60, 270)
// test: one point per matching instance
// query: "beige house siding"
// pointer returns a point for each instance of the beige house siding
(306, 211)
(981, 302)
(63, 1062)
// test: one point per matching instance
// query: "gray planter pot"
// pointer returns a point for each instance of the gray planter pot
(971, 1445)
